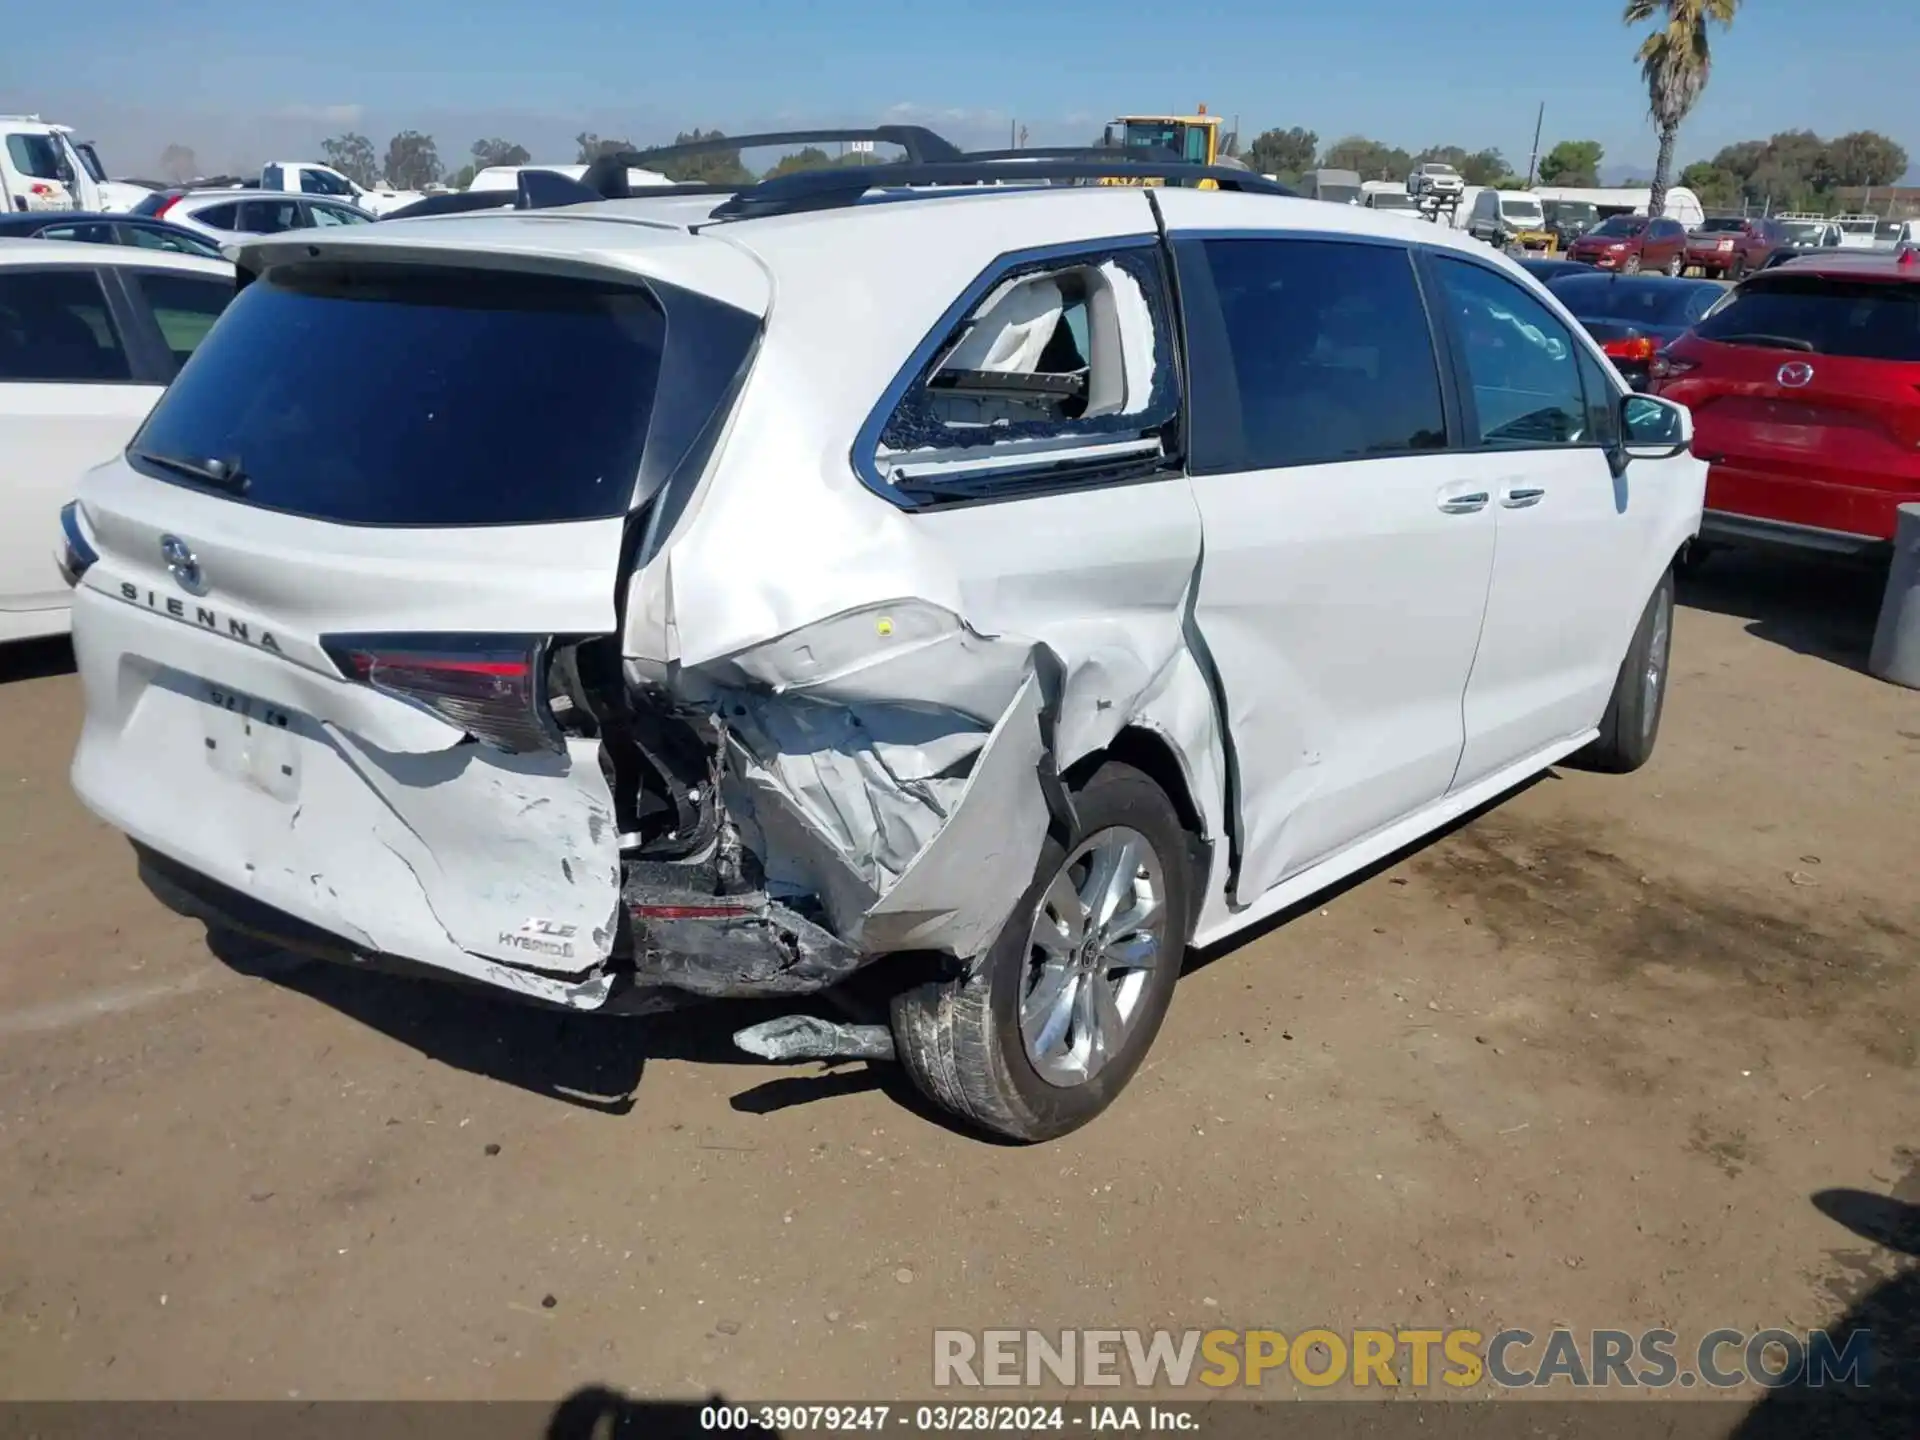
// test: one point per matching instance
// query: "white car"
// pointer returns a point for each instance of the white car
(89, 336)
(1436, 180)
(228, 215)
(530, 598)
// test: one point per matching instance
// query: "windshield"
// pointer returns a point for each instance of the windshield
(1189, 142)
(90, 161)
(1636, 301)
(1527, 212)
(1572, 212)
(396, 397)
(1392, 200)
(1622, 225)
(1820, 315)
(1340, 194)
(1804, 232)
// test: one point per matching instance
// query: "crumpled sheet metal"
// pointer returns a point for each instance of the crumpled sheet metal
(888, 760)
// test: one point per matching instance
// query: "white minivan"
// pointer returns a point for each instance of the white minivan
(1053, 579)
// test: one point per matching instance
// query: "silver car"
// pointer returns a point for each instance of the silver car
(224, 215)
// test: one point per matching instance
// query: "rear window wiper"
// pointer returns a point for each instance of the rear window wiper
(227, 475)
(1772, 342)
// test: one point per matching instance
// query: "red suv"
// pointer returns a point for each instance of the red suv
(1632, 243)
(1805, 389)
(1734, 246)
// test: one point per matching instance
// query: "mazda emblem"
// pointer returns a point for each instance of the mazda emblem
(1795, 373)
(182, 565)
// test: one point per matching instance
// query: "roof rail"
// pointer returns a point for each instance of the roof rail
(830, 189)
(608, 173)
(1101, 154)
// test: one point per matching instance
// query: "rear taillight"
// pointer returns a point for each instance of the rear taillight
(1667, 366)
(491, 686)
(166, 205)
(1639, 348)
(75, 556)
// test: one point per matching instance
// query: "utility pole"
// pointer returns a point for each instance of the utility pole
(1534, 158)
(1013, 134)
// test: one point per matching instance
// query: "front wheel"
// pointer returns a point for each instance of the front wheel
(1053, 1022)
(1631, 723)
(1630, 266)
(1676, 266)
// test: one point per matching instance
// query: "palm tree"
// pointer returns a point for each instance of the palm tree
(1674, 61)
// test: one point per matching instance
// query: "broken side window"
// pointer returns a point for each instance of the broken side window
(1061, 362)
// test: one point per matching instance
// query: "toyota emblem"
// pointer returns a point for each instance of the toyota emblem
(1795, 373)
(182, 564)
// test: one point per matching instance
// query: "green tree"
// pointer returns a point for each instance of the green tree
(179, 164)
(1717, 188)
(1675, 61)
(1865, 157)
(712, 167)
(1373, 159)
(463, 177)
(352, 155)
(592, 147)
(811, 158)
(1572, 162)
(1283, 152)
(412, 161)
(498, 152)
(1484, 167)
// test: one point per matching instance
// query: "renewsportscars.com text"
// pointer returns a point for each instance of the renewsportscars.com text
(1458, 1358)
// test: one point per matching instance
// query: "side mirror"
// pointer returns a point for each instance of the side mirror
(1654, 429)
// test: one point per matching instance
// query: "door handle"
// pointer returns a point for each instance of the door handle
(1519, 497)
(1464, 504)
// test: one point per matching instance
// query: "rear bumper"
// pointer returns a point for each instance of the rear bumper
(1773, 503)
(1726, 528)
(683, 947)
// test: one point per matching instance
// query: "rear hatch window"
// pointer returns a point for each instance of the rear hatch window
(1819, 315)
(401, 395)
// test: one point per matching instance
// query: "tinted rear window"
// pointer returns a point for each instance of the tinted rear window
(1872, 320)
(390, 396)
(1653, 302)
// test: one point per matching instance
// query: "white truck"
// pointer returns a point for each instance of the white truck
(42, 167)
(306, 177)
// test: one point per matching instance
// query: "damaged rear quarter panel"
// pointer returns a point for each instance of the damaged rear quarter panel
(537, 883)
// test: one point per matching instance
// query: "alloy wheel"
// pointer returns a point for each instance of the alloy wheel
(1099, 931)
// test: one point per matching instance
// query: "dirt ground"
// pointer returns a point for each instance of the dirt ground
(1585, 1060)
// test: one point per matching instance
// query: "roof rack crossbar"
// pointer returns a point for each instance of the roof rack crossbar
(608, 173)
(830, 189)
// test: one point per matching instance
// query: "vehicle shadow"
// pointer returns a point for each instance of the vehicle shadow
(595, 1062)
(35, 659)
(1888, 1404)
(1809, 604)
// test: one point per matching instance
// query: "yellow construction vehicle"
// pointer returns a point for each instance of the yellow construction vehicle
(1194, 138)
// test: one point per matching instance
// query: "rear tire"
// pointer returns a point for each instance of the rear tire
(1631, 724)
(963, 1041)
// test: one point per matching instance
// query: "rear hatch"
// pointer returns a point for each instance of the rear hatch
(335, 568)
(1805, 392)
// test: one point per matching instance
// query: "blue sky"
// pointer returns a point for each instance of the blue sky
(244, 83)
